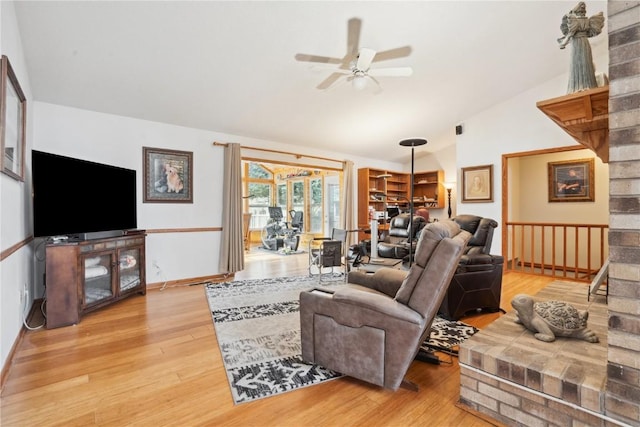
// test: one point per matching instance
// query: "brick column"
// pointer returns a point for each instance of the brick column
(622, 398)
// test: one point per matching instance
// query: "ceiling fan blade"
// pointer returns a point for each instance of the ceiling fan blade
(365, 57)
(399, 52)
(315, 58)
(325, 67)
(391, 72)
(326, 83)
(353, 37)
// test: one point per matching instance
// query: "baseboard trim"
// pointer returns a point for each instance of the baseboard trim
(216, 278)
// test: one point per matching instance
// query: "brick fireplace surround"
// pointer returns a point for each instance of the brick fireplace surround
(517, 385)
(506, 373)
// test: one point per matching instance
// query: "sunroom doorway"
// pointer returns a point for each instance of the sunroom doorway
(314, 191)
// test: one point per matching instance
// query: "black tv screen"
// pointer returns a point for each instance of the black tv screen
(73, 196)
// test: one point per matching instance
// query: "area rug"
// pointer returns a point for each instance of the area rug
(257, 324)
(446, 335)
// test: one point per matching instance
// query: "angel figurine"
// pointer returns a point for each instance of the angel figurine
(577, 28)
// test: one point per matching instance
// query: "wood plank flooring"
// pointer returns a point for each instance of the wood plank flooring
(154, 361)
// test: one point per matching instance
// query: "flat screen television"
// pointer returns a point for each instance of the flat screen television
(81, 199)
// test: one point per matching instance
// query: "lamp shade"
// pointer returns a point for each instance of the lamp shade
(413, 142)
(359, 82)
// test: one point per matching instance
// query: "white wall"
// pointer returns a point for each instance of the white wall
(444, 159)
(533, 181)
(514, 126)
(119, 140)
(16, 270)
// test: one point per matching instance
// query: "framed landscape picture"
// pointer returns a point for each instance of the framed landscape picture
(571, 181)
(13, 111)
(477, 184)
(168, 176)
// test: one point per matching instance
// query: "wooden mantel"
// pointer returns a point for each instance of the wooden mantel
(583, 115)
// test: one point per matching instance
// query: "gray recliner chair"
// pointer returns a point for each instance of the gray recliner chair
(372, 327)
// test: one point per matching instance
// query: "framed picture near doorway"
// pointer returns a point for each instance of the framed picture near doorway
(571, 181)
(477, 184)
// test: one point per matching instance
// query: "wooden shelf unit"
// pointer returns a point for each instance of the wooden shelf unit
(377, 192)
(428, 189)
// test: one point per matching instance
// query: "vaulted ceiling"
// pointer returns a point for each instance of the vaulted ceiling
(230, 66)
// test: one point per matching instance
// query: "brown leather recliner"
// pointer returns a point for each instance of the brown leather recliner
(372, 327)
(477, 283)
(396, 242)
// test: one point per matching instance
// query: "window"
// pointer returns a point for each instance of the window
(297, 195)
(316, 193)
(259, 192)
(315, 204)
(282, 196)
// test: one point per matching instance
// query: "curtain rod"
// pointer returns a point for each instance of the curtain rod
(297, 156)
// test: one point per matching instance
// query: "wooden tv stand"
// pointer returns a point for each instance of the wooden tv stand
(83, 276)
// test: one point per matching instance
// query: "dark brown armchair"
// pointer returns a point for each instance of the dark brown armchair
(372, 327)
(395, 243)
(477, 283)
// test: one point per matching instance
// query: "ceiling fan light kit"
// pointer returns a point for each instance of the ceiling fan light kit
(359, 82)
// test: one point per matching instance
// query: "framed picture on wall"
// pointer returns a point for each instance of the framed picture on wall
(13, 111)
(571, 181)
(168, 176)
(477, 184)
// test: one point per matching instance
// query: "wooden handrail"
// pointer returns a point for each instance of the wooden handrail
(578, 251)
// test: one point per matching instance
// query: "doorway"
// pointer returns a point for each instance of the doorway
(538, 233)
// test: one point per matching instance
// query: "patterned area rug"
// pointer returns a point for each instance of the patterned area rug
(446, 334)
(257, 324)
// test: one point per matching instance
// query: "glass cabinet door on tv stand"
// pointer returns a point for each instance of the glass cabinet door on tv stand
(98, 278)
(86, 275)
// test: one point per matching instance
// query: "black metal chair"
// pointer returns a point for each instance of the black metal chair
(297, 220)
(328, 252)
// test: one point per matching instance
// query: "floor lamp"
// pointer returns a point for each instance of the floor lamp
(413, 143)
(449, 186)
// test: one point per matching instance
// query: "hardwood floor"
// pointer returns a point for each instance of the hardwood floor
(154, 360)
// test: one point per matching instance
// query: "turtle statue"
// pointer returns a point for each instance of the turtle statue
(551, 319)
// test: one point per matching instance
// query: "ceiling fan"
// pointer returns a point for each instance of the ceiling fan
(356, 64)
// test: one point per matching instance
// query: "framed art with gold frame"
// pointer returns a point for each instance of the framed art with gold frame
(477, 184)
(168, 176)
(571, 181)
(13, 111)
